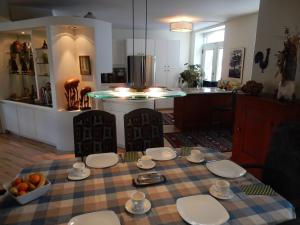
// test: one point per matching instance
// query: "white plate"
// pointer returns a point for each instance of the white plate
(140, 165)
(161, 153)
(226, 168)
(128, 207)
(201, 209)
(106, 217)
(74, 176)
(215, 193)
(102, 160)
(190, 159)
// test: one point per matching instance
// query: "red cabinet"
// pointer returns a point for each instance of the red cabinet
(195, 111)
(255, 120)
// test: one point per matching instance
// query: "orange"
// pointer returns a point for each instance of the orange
(34, 179)
(17, 181)
(22, 193)
(22, 187)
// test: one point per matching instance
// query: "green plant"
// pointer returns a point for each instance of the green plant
(192, 75)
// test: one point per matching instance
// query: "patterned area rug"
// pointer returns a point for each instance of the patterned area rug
(220, 140)
(168, 118)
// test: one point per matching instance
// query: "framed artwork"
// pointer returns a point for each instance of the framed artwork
(85, 65)
(236, 63)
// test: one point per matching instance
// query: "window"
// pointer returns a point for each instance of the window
(211, 52)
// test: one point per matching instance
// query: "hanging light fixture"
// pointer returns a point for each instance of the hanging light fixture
(138, 91)
(181, 26)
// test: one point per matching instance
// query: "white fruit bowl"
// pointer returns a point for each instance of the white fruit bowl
(32, 195)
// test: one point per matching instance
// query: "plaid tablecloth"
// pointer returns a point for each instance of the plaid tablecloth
(110, 188)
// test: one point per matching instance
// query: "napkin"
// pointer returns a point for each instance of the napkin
(185, 151)
(257, 189)
(131, 156)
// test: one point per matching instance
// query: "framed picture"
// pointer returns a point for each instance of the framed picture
(85, 65)
(236, 63)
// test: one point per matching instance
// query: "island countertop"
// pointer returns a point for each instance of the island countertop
(205, 90)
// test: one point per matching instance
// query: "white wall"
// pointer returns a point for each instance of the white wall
(67, 45)
(119, 37)
(240, 32)
(273, 17)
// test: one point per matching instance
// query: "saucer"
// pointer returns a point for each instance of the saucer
(216, 194)
(147, 207)
(141, 166)
(190, 159)
(73, 176)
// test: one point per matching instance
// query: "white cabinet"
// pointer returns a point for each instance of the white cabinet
(167, 67)
(167, 63)
(139, 47)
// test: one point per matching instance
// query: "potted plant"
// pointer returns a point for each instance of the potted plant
(192, 76)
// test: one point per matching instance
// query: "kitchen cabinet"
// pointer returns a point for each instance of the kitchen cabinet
(167, 54)
(255, 120)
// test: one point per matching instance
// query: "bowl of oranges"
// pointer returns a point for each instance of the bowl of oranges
(27, 188)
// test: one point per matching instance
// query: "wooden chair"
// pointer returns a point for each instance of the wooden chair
(282, 168)
(94, 132)
(143, 129)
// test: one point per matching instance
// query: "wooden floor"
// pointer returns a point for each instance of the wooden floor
(17, 152)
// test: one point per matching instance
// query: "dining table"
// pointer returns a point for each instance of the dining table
(110, 188)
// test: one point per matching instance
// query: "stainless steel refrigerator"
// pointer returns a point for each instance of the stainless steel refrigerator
(136, 67)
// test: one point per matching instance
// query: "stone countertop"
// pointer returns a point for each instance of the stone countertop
(205, 90)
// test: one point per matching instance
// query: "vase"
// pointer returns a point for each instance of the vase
(286, 90)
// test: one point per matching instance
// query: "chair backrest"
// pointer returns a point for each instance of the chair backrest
(94, 132)
(282, 166)
(143, 129)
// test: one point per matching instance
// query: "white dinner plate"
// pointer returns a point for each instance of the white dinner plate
(106, 217)
(102, 160)
(161, 153)
(225, 168)
(74, 176)
(201, 209)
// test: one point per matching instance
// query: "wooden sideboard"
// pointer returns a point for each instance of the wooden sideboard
(255, 120)
(195, 110)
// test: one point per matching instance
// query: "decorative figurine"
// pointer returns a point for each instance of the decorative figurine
(259, 58)
(45, 46)
(84, 98)
(71, 93)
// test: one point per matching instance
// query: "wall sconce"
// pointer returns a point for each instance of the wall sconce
(181, 26)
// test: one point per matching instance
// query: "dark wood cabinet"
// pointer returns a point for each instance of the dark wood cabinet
(255, 120)
(196, 110)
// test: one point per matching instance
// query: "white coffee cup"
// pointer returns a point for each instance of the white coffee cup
(196, 155)
(222, 187)
(138, 199)
(146, 161)
(78, 168)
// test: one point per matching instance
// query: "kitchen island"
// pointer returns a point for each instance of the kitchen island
(196, 109)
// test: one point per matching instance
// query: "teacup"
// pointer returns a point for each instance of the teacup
(146, 161)
(78, 168)
(196, 155)
(222, 187)
(138, 199)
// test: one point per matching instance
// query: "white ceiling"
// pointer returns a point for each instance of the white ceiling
(160, 12)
